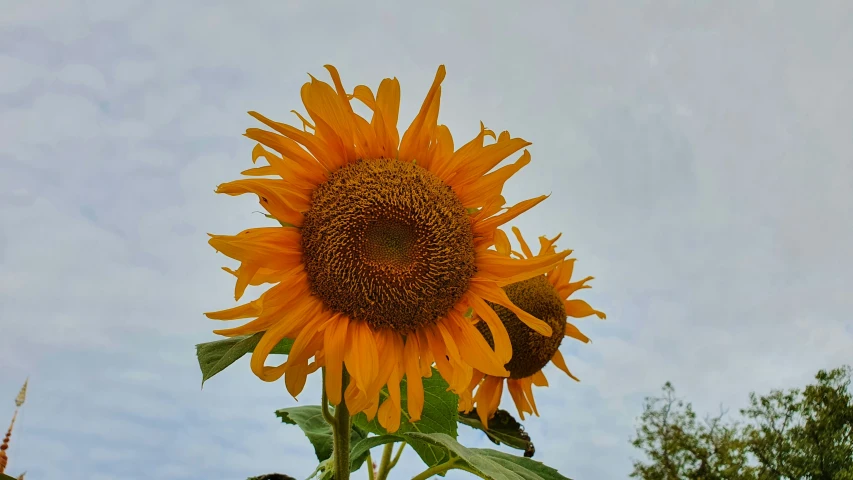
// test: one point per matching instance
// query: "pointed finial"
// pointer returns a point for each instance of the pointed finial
(22, 395)
(4, 459)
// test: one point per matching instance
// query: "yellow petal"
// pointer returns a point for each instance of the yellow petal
(528, 392)
(361, 356)
(365, 95)
(488, 225)
(517, 395)
(524, 247)
(505, 270)
(282, 203)
(473, 348)
(503, 346)
(560, 363)
(572, 331)
(489, 291)
(268, 247)
(334, 346)
(539, 379)
(419, 133)
(481, 162)
(502, 244)
(388, 105)
(580, 309)
(414, 384)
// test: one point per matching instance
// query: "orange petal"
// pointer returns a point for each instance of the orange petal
(489, 291)
(506, 270)
(295, 377)
(314, 144)
(487, 226)
(305, 175)
(546, 245)
(248, 310)
(539, 379)
(365, 95)
(473, 348)
(572, 331)
(441, 150)
(580, 309)
(477, 193)
(334, 346)
(388, 108)
(305, 123)
(244, 275)
(481, 162)
(517, 395)
(282, 203)
(414, 384)
(528, 392)
(449, 168)
(502, 244)
(270, 247)
(262, 276)
(361, 355)
(417, 137)
(560, 363)
(524, 247)
(503, 346)
(488, 398)
(389, 414)
(262, 350)
(306, 343)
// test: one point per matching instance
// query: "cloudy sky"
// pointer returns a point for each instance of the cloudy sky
(698, 156)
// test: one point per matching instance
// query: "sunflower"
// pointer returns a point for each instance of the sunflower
(545, 297)
(384, 251)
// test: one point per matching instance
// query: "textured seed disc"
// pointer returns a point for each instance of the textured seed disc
(388, 242)
(530, 350)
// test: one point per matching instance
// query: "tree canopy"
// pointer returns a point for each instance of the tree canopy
(797, 434)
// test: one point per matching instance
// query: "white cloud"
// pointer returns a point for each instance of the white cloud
(83, 75)
(17, 74)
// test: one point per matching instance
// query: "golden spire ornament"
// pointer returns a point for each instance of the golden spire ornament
(19, 400)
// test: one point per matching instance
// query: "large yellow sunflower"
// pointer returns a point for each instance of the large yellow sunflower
(384, 252)
(545, 297)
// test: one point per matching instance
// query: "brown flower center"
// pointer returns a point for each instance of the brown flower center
(388, 242)
(530, 350)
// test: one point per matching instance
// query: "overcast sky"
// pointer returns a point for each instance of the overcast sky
(698, 156)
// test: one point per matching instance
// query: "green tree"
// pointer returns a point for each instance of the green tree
(804, 434)
(679, 446)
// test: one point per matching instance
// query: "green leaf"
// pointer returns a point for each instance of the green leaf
(488, 463)
(213, 357)
(439, 416)
(310, 419)
(272, 476)
(503, 429)
(360, 448)
(3, 476)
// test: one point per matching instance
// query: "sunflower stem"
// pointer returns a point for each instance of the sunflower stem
(386, 460)
(397, 456)
(324, 404)
(436, 469)
(341, 428)
(371, 473)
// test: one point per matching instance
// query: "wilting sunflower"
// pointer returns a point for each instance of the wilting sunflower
(384, 253)
(545, 297)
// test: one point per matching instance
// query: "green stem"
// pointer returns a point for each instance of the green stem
(342, 430)
(397, 456)
(371, 474)
(435, 470)
(386, 459)
(324, 404)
